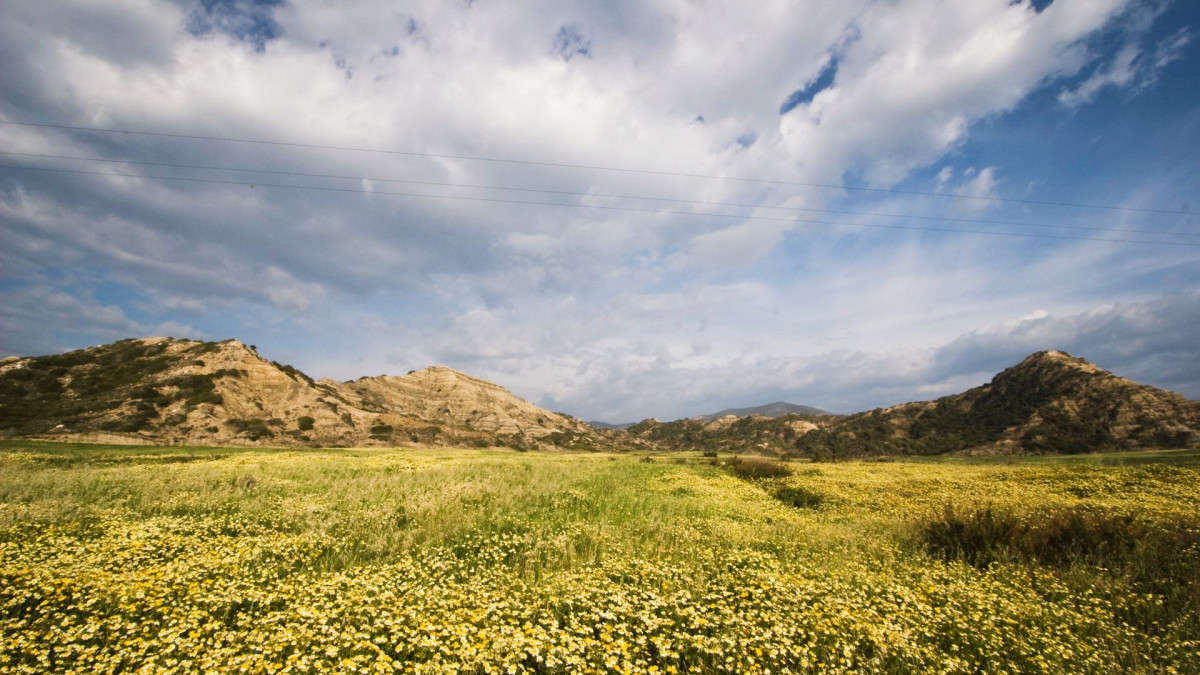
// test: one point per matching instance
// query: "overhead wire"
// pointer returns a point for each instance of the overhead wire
(299, 174)
(589, 167)
(591, 206)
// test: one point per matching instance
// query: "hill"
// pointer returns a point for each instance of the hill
(168, 391)
(756, 434)
(163, 390)
(606, 425)
(1051, 402)
(777, 409)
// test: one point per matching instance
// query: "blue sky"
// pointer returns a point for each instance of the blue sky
(933, 115)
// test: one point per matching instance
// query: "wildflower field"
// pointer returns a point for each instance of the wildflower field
(143, 559)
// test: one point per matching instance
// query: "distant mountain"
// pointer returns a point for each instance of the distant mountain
(777, 409)
(612, 427)
(163, 390)
(1051, 402)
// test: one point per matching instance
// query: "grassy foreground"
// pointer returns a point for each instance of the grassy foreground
(202, 559)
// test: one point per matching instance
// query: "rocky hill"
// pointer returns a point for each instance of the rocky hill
(755, 434)
(1051, 402)
(163, 390)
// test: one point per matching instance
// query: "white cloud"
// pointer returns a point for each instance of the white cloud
(1135, 65)
(608, 311)
(920, 73)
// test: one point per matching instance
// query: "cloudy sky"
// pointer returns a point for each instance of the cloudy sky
(617, 210)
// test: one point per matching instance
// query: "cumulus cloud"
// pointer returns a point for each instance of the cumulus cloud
(1150, 342)
(560, 301)
(912, 82)
(26, 312)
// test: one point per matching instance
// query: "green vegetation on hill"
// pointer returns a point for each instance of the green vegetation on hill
(777, 435)
(79, 387)
(1049, 403)
(179, 391)
(495, 561)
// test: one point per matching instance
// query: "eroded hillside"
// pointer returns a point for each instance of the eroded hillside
(164, 390)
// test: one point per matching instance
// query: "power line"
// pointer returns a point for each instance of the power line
(800, 221)
(590, 167)
(979, 221)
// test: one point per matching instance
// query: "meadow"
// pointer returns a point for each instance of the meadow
(177, 559)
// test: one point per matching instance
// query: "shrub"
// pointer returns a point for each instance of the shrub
(381, 431)
(800, 497)
(978, 536)
(251, 429)
(1148, 553)
(292, 372)
(197, 389)
(758, 467)
(304, 423)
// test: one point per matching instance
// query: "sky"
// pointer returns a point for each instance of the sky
(616, 210)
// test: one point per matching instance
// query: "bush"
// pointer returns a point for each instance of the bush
(978, 536)
(292, 372)
(758, 467)
(251, 429)
(304, 423)
(800, 497)
(1146, 551)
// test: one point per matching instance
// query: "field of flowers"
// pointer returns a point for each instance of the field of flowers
(234, 560)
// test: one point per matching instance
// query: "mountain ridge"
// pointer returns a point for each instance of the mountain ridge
(169, 391)
(211, 393)
(776, 409)
(1050, 402)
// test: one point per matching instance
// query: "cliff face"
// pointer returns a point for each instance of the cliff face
(164, 390)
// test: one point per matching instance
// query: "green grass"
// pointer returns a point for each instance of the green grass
(188, 558)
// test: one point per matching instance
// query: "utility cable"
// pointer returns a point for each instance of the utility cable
(591, 206)
(979, 221)
(589, 167)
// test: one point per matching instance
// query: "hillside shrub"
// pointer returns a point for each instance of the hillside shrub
(758, 467)
(304, 423)
(293, 373)
(251, 429)
(800, 497)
